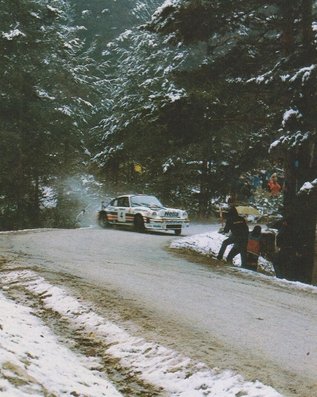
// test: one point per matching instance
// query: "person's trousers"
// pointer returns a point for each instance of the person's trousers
(239, 247)
(224, 245)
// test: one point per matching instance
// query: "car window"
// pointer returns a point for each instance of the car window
(123, 202)
(114, 203)
(146, 201)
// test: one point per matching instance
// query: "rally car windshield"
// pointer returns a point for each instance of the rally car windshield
(146, 201)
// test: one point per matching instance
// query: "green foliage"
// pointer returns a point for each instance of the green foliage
(266, 50)
(183, 101)
(196, 106)
(42, 106)
(244, 75)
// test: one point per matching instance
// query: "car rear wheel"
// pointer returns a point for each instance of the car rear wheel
(139, 224)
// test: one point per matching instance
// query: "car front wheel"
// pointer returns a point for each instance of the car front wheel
(139, 224)
(103, 220)
(178, 232)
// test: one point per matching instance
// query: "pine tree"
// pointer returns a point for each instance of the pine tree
(298, 136)
(42, 89)
(264, 49)
(135, 87)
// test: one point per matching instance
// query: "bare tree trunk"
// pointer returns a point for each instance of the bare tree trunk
(307, 8)
(300, 209)
(204, 192)
(300, 161)
(36, 202)
(287, 36)
(314, 272)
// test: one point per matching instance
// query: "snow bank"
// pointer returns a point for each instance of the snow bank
(209, 244)
(33, 362)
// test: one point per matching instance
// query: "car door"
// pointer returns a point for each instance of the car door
(123, 206)
(111, 211)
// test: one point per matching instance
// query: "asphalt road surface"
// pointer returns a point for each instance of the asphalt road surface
(228, 319)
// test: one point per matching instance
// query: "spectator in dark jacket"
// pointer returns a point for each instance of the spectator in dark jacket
(231, 214)
(240, 232)
(238, 237)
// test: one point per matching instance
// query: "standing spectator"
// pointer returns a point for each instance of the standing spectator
(240, 232)
(232, 211)
(256, 181)
(273, 186)
(231, 215)
(246, 191)
(264, 179)
(254, 248)
(238, 237)
(284, 262)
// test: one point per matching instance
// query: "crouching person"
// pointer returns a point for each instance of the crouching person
(253, 248)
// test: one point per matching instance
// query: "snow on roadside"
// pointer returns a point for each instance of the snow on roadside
(209, 244)
(34, 363)
(29, 346)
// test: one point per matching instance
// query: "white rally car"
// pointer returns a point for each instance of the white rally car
(142, 212)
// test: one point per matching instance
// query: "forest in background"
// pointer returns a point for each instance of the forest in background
(177, 98)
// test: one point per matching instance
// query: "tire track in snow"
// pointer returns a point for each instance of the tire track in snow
(165, 369)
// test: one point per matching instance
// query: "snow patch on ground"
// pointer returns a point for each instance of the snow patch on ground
(30, 352)
(34, 363)
(209, 244)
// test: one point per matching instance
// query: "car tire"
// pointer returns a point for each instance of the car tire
(103, 220)
(178, 232)
(139, 224)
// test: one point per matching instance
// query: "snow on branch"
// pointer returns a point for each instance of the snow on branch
(54, 10)
(167, 4)
(308, 187)
(291, 114)
(65, 110)
(303, 74)
(43, 94)
(291, 140)
(12, 34)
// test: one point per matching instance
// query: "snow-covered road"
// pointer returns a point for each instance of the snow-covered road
(122, 315)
